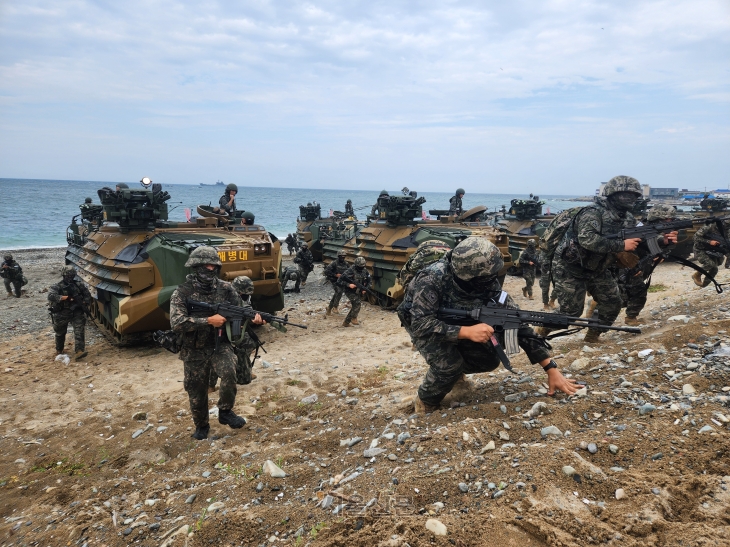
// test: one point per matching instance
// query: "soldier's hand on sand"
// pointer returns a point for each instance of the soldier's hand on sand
(216, 320)
(631, 244)
(477, 333)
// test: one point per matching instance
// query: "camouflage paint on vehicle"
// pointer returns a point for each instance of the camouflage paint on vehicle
(132, 265)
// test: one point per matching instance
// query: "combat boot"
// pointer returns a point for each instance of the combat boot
(546, 306)
(592, 336)
(529, 296)
(10, 295)
(524, 292)
(632, 321)
(231, 419)
(346, 323)
(201, 433)
(335, 311)
(423, 408)
(354, 321)
(552, 303)
(80, 355)
(329, 311)
(697, 278)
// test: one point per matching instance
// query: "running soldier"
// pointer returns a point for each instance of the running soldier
(528, 261)
(69, 302)
(710, 248)
(465, 278)
(305, 261)
(353, 276)
(291, 244)
(332, 273)
(199, 353)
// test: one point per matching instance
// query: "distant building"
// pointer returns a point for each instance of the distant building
(664, 193)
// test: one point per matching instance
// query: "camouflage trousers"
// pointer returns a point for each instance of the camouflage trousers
(244, 367)
(197, 366)
(633, 295)
(709, 261)
(529, 276)
(335, 300)
(545, 286)
(290, 248)
(304, 273)
(571, 292)
(60, 327)
(447, 362)
(13, 283)
(355, 305)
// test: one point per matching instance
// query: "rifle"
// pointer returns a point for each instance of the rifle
(505, 319)
(78, 300)
(236, 315)
(358, 285)
(650, 232)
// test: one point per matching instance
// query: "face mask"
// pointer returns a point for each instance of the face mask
(206, 276)
(478, 285)
(340, 259)
(68, 278)
(623, 201)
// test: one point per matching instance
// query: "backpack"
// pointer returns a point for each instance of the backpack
(555, 232)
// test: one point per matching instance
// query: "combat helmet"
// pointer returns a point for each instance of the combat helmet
(87, 200)
(243, 284)
(359, 262)
(460, 191)
(122, 186)
(660, 212)
(622, 183)
(8, 257)
(305, 246)
(476, 257)
(530, 242)
(231, 188)
(68, 272)
(341, 253)
(383, 193)
(248, 217)
(203, 255)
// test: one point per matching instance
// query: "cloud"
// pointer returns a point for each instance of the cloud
(282, 77)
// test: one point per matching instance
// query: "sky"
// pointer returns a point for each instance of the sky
(552, 97)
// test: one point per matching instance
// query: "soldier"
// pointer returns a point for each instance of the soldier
(122, 186)
(375, 211)
(632, 281)
(198, 351)
(248, 218)
(291, 273)
(305, 261)
(528, 260)
(349, 211)
(360, 275)
(290, 243)
(426, 253)
(243, 349)
(548, 300)
(710, 248)
(583, 256)
(332, 272)
(12, 275)
(465, 278)
(69, 300)
(228, 200)
(455, 207)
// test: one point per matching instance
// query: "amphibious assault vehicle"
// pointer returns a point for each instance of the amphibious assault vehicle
(394, 232)
(523, 220)
(313, 228)
(132, 257)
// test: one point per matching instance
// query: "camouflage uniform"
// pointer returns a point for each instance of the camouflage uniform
(305, 261)
(292, 273)
(455, 206)
(225, 198)
(359, 274)
(349, 211)
(582, 259)
(545, 267)
(709, 256)
(529, 270)
(331, 272)
(198, 340)
(448, 357)
(427, 253)
(70, 310)
(290, 244)
(12, 275)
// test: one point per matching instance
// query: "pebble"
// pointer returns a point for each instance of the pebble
(550, 430)
(489, 446)
(646, 409)
(352, 401)
(216, 506)
(616, 469)
(350, 442)
(372, 452)
(620, 494)
(154, 526)
(688, 389)
(592, 448)
(463, 487)
(613, 449)
(127, 531)
(273, 470)
(498, 494)
(504, 435)
(403, 436)
(161, 428)
(392, 457)
(259, 487)
(537, 409)
(657, 456)
(656, 491)
(580, 364)
(310, 399)
(436, 527)
(327, 501)
(706, 429)
(206, 474)
(191, 498)
(515, 397)
(137, 433)
(683, 318)
(568, 470)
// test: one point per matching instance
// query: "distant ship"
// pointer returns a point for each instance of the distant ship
(218, 183)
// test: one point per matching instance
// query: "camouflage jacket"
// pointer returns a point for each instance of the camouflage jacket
(223, 204)
(11, 270)
(583, 249)
(455, 207)
(80, 297)
(195, 330)
(305, 259)
(417, 261)
(528, 256)
(359, 275)
(290, 274)
(433, 288)
(290, 240)
(333, 268)
(710, 232)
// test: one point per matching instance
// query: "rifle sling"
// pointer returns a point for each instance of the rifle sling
(243, 332)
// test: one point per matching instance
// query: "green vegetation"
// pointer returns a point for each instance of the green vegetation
(657, 288)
